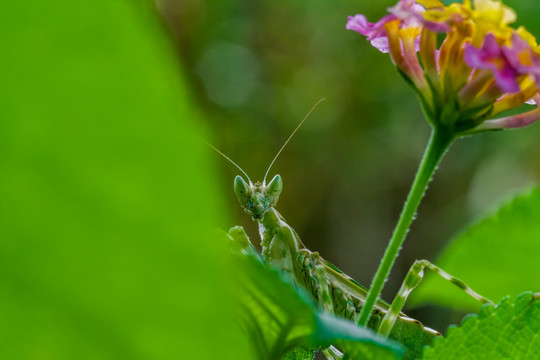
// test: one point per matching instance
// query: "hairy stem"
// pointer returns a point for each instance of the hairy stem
(438, 144)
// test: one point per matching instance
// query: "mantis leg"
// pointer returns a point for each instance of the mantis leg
(332, 353)
(413, 278)
(321, 288)
(324, 296)
(241, 240)
(317, 271)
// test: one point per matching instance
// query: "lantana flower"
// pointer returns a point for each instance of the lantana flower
(482, 68)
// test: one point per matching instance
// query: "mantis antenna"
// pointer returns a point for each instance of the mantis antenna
(226, 157)
(286, 142)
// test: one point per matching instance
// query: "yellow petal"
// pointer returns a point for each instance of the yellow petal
(509, 15)
(428, 4)
(529, 38)
(409, 32)
(494, 11)
(453, 13)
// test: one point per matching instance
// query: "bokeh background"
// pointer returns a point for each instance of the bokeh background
(256, 68)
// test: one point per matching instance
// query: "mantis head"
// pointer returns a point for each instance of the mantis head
(257, 198)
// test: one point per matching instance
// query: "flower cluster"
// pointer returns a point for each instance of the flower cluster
(482, 68)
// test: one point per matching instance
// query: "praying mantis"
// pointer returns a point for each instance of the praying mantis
(333, 290)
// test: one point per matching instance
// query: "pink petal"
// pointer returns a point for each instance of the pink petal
(381, 44)
(520, 50)
(490, 56)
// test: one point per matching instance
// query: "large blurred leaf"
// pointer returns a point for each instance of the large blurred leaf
(497, 257)
(105, 192)
(284, 321)
(509, 331)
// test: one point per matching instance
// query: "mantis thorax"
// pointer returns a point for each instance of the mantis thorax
(257, 198)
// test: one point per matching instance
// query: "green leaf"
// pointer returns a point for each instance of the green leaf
(496, 257)
(300, 353)
(106, 192)
(509, 331)
(281, 317)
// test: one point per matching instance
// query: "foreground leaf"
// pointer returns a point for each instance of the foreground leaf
(300, 353)
(496, 257)
(105, 192)
(509, 331)
(281, 318)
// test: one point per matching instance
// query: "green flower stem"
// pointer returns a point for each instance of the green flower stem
(439, 142)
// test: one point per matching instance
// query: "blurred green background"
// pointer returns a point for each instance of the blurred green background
(256, 67)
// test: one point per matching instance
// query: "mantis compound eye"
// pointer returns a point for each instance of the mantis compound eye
(241, 189)
(274, 189)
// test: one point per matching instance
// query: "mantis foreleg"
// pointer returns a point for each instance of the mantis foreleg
(317, 273)
(241, 239)
(332, 353)
(413, 278)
